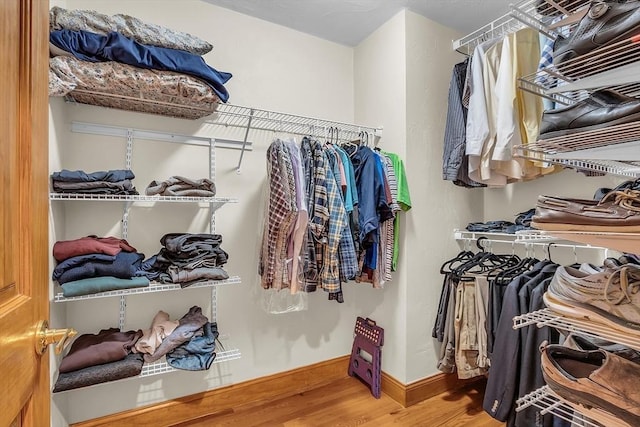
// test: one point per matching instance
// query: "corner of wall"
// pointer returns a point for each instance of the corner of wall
(380, 100)
(438, 205)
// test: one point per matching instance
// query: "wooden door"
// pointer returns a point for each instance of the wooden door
(24, 284)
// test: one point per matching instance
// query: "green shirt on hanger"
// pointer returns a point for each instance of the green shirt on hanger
(404, 200)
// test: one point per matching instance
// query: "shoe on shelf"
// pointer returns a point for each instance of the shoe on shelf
(588, 343)
(601, 109)
(548, 9)
(618, 211)
(606, 22)
(594, 379)
(631, 185)
(608, 298)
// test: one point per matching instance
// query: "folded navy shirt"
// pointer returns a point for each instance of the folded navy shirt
(114, 46)
(115, 175)
(80, 260)
(124, 266)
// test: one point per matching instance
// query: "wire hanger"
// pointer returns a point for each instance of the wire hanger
(330, 135)
(549, 250)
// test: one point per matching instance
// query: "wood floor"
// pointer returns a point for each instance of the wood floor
(348, 402)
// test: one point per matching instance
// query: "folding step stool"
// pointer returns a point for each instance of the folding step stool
(370, 338)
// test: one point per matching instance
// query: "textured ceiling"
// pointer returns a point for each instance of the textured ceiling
(351, 21)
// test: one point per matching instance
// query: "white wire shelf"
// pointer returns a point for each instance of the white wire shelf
(217, 201)
(614, 66)
(547, 317)
(152, 288)
(612, 167)
(622, 242)
(550, 403)
(607, 137)
(501, 26)
(265, 120)
(138, 198)
(162, 367)
(524, 13)
(523, 237)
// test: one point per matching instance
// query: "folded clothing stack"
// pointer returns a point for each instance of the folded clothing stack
(110, 355)
(129, 26)
(180, 186)
(113, 46)
(99, 358)
(522, 222)
(187, 259)
(116, 181)
(96, 264)
(188, 343)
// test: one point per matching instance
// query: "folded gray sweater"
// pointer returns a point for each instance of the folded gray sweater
(189, 324)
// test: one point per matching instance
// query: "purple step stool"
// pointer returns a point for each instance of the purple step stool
(370, 338)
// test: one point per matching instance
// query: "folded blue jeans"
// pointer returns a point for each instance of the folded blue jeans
(198, 353)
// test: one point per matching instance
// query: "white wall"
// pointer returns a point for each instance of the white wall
(402, 74)
(274, 68)
(438, 206)
(380, 88)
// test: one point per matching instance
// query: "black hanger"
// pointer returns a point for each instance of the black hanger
(484, 262)
(549, 250)
(463, 256)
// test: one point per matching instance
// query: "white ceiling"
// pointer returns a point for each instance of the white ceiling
(350, 21)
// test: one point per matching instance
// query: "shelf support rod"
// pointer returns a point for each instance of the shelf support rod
(244, 141)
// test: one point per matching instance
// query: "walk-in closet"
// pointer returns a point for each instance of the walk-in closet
(415, 213)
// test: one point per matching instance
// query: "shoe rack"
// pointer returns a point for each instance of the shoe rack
(612, 150)
(547, 317)
(550, 403)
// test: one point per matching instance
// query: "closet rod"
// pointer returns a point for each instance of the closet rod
(527, 238)
(529, 244)
(123, 132)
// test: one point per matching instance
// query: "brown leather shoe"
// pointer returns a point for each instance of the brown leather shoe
(619, 211)
(594, 379)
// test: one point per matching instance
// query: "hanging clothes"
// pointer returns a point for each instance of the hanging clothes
(402, 199)
(499, 115)
(330, 216)
(281, 211)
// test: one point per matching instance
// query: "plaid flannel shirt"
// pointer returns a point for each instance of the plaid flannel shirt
(279, 217)
(314, 162)
(337, 222)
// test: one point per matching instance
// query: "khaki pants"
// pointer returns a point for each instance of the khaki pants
(466, 331)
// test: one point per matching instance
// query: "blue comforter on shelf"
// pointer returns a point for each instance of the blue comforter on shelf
(114, 46)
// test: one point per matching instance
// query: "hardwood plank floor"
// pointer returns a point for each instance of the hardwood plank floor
(348, 402)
